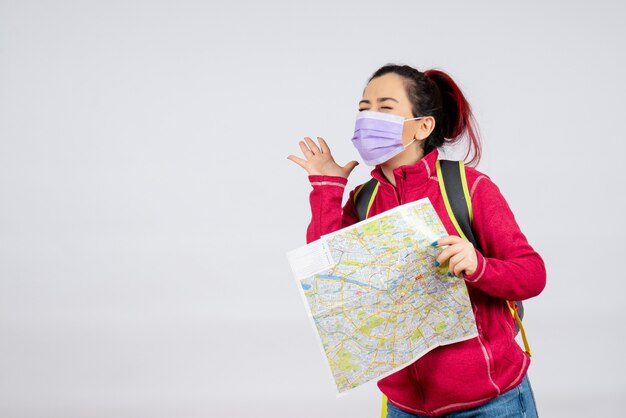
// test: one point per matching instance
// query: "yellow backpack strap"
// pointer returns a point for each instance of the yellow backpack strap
(456, 197)
(451, 177)
(521, 327)
(364, 197)
(383, 410)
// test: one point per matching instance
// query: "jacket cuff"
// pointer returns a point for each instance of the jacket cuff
(320, 180)
(480, 269)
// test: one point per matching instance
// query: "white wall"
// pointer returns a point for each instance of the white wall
(146, 203)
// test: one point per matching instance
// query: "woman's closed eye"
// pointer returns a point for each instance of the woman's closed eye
(383, 107)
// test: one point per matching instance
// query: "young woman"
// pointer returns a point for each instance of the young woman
(484, 376)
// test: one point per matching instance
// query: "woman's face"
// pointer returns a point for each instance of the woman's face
(387, 94)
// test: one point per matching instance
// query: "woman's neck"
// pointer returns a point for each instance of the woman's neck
(409, 156)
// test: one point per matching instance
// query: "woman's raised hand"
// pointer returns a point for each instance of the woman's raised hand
(319, 161)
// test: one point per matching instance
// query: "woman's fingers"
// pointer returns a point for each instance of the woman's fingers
(319, 161)
(323, 145)
(449, 240)
(305, 149)
(459, 254)
(350, 166)
(447, 253)
(313, 146)
(299, 161)
(458, 263)
(463, 267)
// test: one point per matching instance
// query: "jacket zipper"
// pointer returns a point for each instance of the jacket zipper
(397, 191)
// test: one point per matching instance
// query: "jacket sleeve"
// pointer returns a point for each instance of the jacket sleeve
(327, 214)
(508, 267)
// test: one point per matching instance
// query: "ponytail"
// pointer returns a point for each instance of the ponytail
(456, 115)
(434, 93)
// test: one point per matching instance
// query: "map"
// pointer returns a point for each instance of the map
(376, 299)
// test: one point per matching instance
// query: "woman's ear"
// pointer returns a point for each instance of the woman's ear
(424, 128)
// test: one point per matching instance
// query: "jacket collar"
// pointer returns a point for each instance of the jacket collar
(416, 173)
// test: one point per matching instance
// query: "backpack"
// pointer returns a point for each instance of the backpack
(456, 196)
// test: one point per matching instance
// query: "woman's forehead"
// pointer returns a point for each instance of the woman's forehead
(387, 85)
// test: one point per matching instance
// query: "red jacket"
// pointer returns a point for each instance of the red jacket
(469, 373)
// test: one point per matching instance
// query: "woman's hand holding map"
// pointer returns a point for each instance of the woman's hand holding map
(460, 254)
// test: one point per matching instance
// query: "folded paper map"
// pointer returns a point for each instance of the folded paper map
(376, 299)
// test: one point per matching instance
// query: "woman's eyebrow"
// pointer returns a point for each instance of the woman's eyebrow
(380, 99)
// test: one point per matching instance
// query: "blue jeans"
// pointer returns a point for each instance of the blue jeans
(517, 402)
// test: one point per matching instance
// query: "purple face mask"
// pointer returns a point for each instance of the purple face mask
(378, 136)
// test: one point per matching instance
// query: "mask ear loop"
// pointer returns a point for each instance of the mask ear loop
(414, 139)
(419, 117)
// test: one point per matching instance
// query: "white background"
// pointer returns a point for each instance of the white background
(146, 202)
